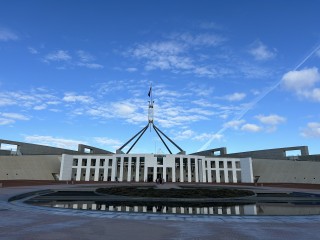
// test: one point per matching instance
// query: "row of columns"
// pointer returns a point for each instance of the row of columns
(202, 169)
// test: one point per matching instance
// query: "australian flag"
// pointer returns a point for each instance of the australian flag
(149, 94)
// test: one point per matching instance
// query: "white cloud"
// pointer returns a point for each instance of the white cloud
(261, 52)
(85, 56)
(33, 50)
(235, 97)
(174, 56)
(7, 35)
(272, 119)
(113, 143)
(40, 107)
(303, 83)
(184, 134)
(312, 130)
(235, 124)
(301, 79)
(53, 141)
(14, 116)
(131, 69)
(5, 121)
(71, 97)
(251, 128)
(207, 136)
(59, 55)
(91, 65)
(199, 39)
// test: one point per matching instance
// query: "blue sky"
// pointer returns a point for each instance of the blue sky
(239, 74)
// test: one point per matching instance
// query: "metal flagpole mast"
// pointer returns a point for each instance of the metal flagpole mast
(151, 125)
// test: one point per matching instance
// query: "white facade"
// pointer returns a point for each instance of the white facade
(150, 167)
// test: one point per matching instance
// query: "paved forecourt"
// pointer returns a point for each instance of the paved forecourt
(22, 221)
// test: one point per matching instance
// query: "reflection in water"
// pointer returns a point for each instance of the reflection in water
(249, 209)
(231, 210)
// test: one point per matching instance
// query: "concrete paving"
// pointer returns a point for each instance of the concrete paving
(21, 221)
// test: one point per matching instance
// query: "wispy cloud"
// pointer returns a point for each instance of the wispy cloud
(72, 97)
(207, 136)
(312, 130)
(85, 56)
(108, 142)
(261, 52)
(7, 35)
(234, 97)
(32, 50)
(54, 141)
(14, 116)
(58, 56)
(131, 69)
(6, 121)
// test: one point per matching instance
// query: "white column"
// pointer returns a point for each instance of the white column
(204, 170)
(145, 171)
(226, 172)
(88, 167)
(114, 169)
(164, 173)
(234, 172)
(196, 169)
(217, 172)
(189, 169)
(181, 170)
(209, 171)
(154, 173)
(129, 169)
(96, 170)
(137, 169)
(174, 172)
(78, 177)
(121, 169)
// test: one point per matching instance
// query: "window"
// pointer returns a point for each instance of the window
(84, 162)
(75, 162)
(93, 162)
(220, 164)
(102, 162)
(213, 164)
(229, 164)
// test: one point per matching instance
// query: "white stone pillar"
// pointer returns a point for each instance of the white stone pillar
(96, 170)
(204, 170)
(114, 169)
(78, 177)
(164, 173)
(189, 169)
(234, 172)
(121, 169)
(174, 172)
(145, 171)
(155, 173)
(88, 167)
(226, 172)
(181, 170)
(217, 172)
(129, 169)
(196, 169)
(137, 169)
